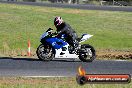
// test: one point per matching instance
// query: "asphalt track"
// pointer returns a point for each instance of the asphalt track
(76, 6)
(31, 67)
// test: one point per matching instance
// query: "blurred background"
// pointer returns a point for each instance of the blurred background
(90, 2)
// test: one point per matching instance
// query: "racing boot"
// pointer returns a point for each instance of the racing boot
(75, 48)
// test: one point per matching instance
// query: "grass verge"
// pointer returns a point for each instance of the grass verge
(20, 23)
(64, 82)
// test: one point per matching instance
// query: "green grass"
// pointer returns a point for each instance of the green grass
(19, 23)
(53, 83)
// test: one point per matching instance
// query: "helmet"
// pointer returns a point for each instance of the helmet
(58, 21)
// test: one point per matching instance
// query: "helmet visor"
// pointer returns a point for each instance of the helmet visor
(56, 23)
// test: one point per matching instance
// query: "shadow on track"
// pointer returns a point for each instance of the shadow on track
(27, 59)
(34, 59)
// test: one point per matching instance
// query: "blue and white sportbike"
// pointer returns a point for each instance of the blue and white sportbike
(52, 47)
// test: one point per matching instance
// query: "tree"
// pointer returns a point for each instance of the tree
(29, 0)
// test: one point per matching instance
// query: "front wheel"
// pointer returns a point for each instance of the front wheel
(45, 52)
(87, 53)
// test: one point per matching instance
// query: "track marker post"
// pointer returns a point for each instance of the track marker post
(29, 48)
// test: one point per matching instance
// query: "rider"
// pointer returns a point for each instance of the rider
(64, 28)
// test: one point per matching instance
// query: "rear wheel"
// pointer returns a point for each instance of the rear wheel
(87, 53)
(45, 52)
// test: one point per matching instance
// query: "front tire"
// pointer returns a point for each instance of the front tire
(45, 52)
(87, 53)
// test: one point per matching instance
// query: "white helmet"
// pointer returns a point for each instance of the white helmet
(58, 21)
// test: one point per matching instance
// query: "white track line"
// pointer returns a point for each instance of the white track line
(121, 60)
(47, 76)
(43, 76)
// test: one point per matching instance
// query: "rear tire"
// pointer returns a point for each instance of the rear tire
(87, 53)
(45, 52)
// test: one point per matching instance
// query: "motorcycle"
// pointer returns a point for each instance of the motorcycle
(52, 47)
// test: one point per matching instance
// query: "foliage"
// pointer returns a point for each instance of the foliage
(29, 0)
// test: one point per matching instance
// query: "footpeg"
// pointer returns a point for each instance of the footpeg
(62, 53)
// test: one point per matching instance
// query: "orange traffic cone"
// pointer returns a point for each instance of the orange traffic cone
(29, 48)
